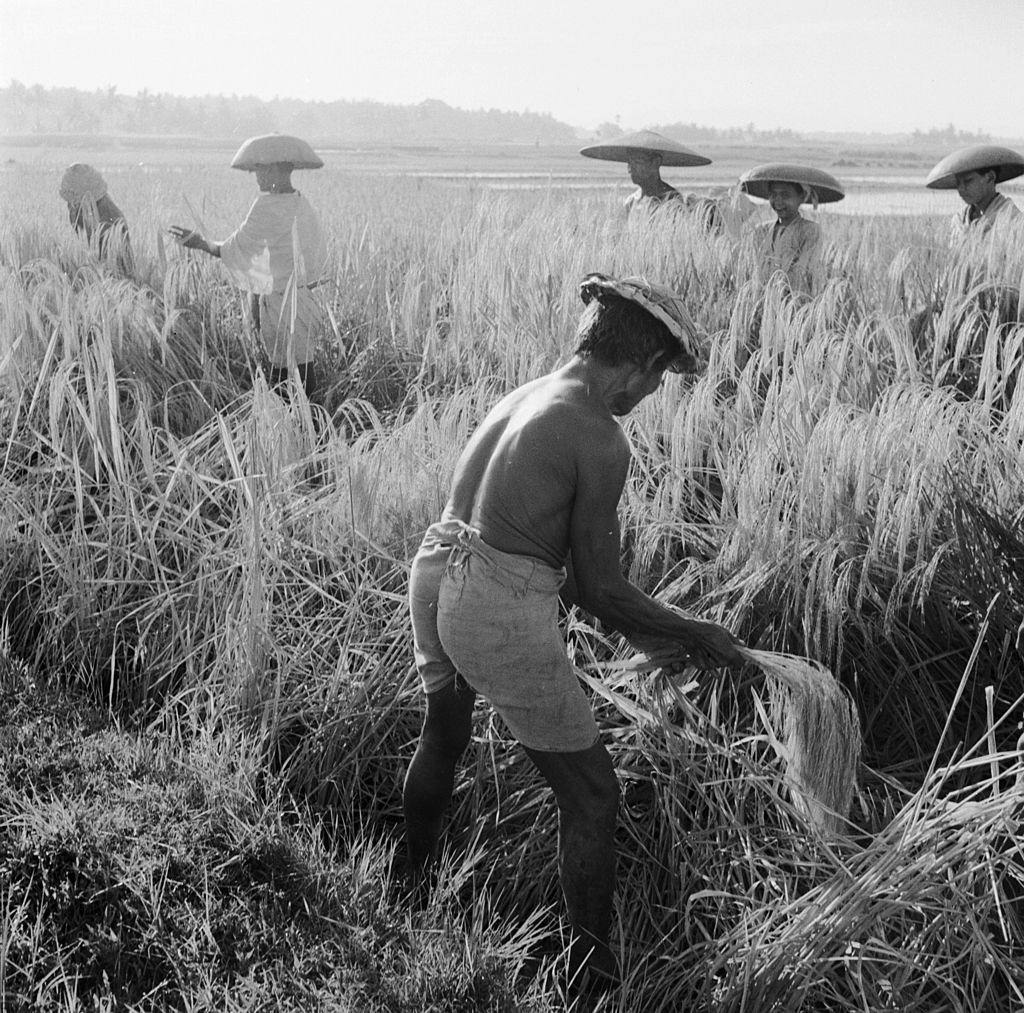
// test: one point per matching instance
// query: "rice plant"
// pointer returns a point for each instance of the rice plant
(226, 571)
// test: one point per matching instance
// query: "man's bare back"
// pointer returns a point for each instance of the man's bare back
(538, 488)
(517, 479)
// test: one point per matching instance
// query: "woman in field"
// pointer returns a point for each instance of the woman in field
(645, 152)
(94, 215)
(792, 243)
(278, 254)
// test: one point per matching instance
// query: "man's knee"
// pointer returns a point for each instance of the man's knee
(585, 784)
(448, 724)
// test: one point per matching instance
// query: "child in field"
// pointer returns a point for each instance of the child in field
(94, 215)
(278, 254)
(974, 172)
(791, 244)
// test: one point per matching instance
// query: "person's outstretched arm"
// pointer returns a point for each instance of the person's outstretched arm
(193, 240)
(601, 587)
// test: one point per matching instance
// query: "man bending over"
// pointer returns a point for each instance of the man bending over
(535, 494)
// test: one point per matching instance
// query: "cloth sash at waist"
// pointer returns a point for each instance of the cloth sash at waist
(520, 574)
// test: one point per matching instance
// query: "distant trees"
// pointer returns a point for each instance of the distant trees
(744, 134)
(684, 132)
(37, 110)
(949, 136)
(944, 137)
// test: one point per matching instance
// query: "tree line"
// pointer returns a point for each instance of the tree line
(33, 109)
(949, 136)
(38, 110)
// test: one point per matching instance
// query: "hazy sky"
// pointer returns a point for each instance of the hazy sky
(884, 65)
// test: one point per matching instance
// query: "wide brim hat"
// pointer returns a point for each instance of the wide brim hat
(1007, 163)
(662, 303)
(823, 185)
(273, 149)
(644, 142)
(81, 181)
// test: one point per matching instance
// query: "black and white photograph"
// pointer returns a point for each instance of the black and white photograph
(511, 508)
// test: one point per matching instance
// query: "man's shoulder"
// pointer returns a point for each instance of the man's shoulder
(260, 210)
(1004, 207)
(597, 437)
(563, 410)
(566, 404)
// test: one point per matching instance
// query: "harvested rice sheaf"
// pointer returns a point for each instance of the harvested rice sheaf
(818, 735)
(821, 737)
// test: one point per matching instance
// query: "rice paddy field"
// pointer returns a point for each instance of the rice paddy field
(208, 693)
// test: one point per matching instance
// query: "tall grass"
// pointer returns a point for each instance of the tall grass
(187, 547)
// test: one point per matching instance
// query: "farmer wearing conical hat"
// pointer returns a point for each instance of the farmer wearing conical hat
(974, 172)
(646, 152)
(278, 253)
(531, 516)
(94, 214)
(792, 243)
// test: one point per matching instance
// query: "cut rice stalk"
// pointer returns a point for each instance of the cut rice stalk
(818, 737)
(821, 739)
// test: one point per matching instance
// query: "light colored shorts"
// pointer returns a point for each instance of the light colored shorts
(492, 617)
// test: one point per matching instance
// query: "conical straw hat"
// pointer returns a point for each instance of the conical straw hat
(622, 149)
(270, 149)
(825, 186)
(662, 303)
(1007, 163)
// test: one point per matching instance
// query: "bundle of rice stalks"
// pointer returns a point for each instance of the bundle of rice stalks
(820, 742)
(818, 737)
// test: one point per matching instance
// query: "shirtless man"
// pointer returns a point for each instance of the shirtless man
(532, 514)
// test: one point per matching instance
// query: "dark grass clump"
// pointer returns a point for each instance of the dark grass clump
(140, 882)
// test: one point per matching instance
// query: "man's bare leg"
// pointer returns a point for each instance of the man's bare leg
(587, 793)
(431, 776)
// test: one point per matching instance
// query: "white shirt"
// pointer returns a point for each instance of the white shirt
(968, 222)
(281, 237)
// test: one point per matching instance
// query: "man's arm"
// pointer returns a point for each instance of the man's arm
(601, 587)
(193, 240)
(569, 594)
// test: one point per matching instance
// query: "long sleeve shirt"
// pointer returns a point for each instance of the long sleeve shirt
(280, 240)
(793, 249)
(670, 197)
(970, 221)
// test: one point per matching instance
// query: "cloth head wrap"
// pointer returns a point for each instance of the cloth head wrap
(662, 303)
(80, 181)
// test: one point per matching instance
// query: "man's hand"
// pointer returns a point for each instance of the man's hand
(708, 645)
(188, 238)
(713, 646)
